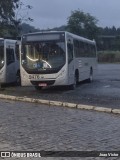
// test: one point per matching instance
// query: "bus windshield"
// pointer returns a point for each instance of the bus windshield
(43, 55)
(1, 54)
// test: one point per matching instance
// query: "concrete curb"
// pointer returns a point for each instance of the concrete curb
(58, 103)
(79, 106)
(102, 109)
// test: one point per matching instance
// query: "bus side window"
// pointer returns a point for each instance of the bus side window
(70, 52)
(1, 56)
(10, 56)
(17, 52)
(93, 51)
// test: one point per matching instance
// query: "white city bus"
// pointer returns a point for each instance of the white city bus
(9, 61)
(56, 58)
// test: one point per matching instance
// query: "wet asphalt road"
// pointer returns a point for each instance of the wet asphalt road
(103, 92)
(33, 127)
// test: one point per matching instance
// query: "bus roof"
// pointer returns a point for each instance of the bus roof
(67, 33)
(10, 40)
(80, 38)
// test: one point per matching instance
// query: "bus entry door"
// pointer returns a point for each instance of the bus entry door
(10, 65)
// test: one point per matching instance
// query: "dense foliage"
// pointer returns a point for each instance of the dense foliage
(82, 24)
(7, 14)
(11, 17)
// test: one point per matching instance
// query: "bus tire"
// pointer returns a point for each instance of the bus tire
(18, 79)
(90, 79)
(38, 88)
(74, 85)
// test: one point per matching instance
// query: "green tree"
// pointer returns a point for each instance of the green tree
(6, 13)
(7, 9)
(21, 15)
(82, 24)
(12, 14)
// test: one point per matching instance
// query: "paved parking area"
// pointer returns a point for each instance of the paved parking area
(103, 92)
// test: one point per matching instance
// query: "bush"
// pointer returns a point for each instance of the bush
(109, 56)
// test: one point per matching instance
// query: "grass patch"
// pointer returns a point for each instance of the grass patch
(109, 56)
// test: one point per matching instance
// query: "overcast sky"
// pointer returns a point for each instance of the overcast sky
(54, 13)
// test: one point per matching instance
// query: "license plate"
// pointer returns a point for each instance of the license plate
(42, 84)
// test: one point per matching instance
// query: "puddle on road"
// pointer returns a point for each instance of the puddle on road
(107, 86)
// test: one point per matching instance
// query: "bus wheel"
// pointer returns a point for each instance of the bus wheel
(18, 79)
(38, 88)
(73, 86)
(90, 76)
